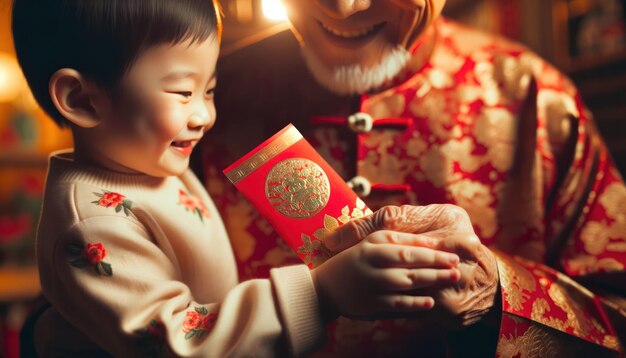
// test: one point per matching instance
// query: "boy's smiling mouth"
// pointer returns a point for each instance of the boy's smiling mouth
(183, 147)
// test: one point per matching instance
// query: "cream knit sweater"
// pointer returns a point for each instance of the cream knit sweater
(167, 283)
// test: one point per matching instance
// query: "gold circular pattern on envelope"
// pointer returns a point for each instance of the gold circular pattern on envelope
(297, 188)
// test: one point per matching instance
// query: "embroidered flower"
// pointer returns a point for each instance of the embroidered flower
(198, 322)
(90, 255)
(94, 253)
(109, 199)
(192, 204)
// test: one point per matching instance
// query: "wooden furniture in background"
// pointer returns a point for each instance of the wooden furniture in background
(590, 45)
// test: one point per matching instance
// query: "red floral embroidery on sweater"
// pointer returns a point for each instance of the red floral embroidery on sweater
(192, 204)
(94, 253)
(198, 322)
(90, 255)
(109, 199)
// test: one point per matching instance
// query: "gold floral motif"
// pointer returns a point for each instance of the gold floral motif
(616, 247)
(381, 140)
(484, 73)
(584, 265)
(575, 317)
(614, 201)
(515, 74)
(447, 60)
(416, 146)
(601, 236)
(556, 109)
(313, 250)
(539, 310)
(566, 295)
(327, 140)
(516, 281)
(439, 79)
(553, 78)
(437, 108)
(438, 162)
(609, 264)
(436, 167)
(540, 341)
(382, 164)
(595, 237)
(459, 152)
(297, 188)
(238, 217)
(385, 106)
(495, 129)
(383, 168)
(537, 341)
(468, 94)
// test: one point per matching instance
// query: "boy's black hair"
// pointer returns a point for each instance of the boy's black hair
(100, 38)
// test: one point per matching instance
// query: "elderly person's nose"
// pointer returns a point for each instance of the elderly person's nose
(340, 9)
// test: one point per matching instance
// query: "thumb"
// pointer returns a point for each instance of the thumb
(350, 234)
(356, 230)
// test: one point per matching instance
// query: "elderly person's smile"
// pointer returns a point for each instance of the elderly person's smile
(352, 46)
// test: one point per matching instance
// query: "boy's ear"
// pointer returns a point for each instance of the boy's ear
(73, 96)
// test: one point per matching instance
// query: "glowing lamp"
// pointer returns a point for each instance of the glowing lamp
(11, 80)
(274, 10)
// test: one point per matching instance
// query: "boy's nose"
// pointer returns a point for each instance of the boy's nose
(201, 119)
(201, 123)
(339, 9)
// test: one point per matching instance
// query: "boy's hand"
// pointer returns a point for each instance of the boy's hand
(373, 278)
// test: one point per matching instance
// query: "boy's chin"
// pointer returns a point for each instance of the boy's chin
(166, 171)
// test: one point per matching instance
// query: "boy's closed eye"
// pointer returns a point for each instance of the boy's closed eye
(210, 92)
(185, 94)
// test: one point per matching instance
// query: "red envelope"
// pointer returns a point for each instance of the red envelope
(297, 191)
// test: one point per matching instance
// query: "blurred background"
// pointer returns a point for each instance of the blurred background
(584, 38)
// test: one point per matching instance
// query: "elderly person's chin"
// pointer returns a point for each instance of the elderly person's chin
(357, 77)
(353, 47)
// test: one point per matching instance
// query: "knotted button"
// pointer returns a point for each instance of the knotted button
(361, 186)
(361, 122)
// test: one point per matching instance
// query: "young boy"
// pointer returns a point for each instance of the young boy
(132, 254)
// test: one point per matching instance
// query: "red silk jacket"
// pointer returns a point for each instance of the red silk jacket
(486, 125)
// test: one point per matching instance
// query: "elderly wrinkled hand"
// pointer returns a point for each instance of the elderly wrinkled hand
(449, 227)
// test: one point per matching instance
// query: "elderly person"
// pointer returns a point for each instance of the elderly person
(411, 108)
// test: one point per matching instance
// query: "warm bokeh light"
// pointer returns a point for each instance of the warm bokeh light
(274, 10)
(11, 81)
